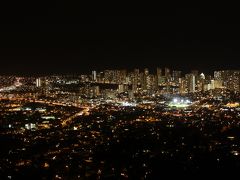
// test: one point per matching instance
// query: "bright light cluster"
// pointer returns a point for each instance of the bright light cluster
(179, 102)
(128, 104)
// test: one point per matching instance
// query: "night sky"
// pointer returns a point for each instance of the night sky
(62, 40)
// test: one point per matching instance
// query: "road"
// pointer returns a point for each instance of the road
(69, 120)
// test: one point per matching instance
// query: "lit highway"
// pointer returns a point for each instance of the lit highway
(68, 121)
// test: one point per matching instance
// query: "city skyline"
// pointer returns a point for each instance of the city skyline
(120, 124)
(92, 96)
(152, 70)
(160, 81)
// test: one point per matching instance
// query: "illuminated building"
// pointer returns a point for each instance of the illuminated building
(218, 75)
(94, 75)
(38, 82)
(146, 71)
(167, 72)
(167, 79)
(216, 84)
(207, 87)
(162, 80)
(96, 90)
(108, 76)
(230, 79)
(109, 93)
(83, 78)
(117, 77)
(176, 75)
(191, 82)
(135, 80)
(182, 86)
(130, 94)
(151, 82)
(202, 76)
(212, 85)
(101, 77)
(234, 80)
(122, 76)
(121, 88)
(145, 79)
(200, 82)
(136, 71)
(159, 74)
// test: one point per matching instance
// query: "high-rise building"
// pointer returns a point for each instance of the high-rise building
(191, 82)
(135, 80)
(96, 90)
(176, 75)
(167, 78)
(216, 84)
(120, 88)
(234, 81)
(230, 79)
(212, 85)
(159, 74)
(202, 76)
(130, 94)
(145, 79)
(207, 87)
(167, 72)
(200, 82)
(151, 82)
(123, 75)
(146, 71)
(101, 77)
(94, 76)
(219, 75)
(108, 76)
(182, 86)
(38, 82)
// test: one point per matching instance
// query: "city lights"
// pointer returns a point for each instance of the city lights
(91, 96)
(87, 124)
(180, 103)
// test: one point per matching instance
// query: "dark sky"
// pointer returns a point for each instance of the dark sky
(60, 39)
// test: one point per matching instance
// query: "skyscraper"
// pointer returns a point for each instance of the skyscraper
(38, 82)
(145, 79)
(182, 85)
(201, 82)
(176, 75)
(94, 76)
(230, 79)
(159, 74)
(136, 79)
(191, 82)
(121, 88)
(167, 72)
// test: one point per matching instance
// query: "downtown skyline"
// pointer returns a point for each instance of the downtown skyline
(94, 96)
